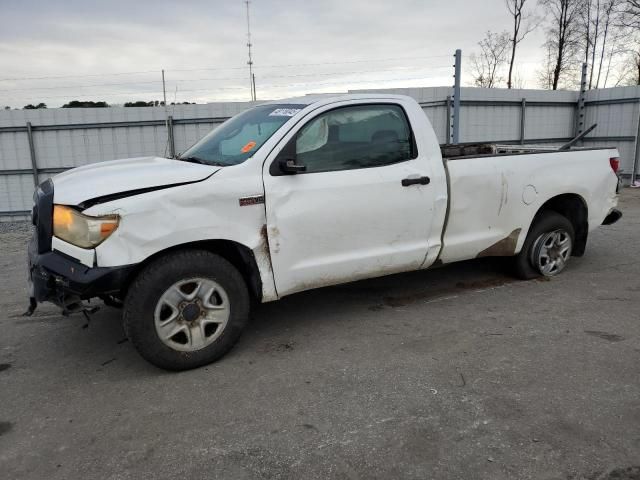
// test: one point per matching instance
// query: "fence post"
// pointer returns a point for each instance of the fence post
(172, 145)
(448, 129)
(579, 127)
(32, 152)
(455, 134)
(523, 118)
(636, 160)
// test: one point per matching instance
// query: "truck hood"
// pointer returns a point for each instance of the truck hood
(89, 182)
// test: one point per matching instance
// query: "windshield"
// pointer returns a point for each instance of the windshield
(239, 138)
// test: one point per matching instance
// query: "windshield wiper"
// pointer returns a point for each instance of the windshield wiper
(202, 161)
(193, 160)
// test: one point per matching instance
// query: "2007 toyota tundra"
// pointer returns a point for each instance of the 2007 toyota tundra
(294, 195)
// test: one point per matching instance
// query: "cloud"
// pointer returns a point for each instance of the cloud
(299, 47)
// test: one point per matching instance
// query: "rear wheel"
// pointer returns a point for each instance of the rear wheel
(547, 248)
(186, 309)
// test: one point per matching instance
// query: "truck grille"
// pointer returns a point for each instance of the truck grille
(42, 215)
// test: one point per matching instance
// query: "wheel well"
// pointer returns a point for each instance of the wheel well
(235, 253)
(574, 208)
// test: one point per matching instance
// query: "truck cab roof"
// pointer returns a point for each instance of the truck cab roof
(326, 98)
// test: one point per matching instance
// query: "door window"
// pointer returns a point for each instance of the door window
(355, 137)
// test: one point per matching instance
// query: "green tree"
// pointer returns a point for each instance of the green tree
(85, 104)
(34, 107)
(142, 103)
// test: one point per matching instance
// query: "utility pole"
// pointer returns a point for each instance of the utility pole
(253, 79)
(164, 91)
(252, 85)
(168, 121)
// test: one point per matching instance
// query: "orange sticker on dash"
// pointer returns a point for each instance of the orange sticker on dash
(248, 147)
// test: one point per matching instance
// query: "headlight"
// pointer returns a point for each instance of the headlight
(82, 230)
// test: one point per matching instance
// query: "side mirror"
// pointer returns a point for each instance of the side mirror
(289, 166)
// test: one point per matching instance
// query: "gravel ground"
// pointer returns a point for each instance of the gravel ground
(15, 227)
(459, 372)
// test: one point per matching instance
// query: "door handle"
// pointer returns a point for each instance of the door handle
(415, 181)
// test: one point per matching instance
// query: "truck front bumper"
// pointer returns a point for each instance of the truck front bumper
(58, 278)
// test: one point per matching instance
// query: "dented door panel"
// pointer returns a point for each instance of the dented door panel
(334, 227)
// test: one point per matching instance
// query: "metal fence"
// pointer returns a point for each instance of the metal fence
(36, 144)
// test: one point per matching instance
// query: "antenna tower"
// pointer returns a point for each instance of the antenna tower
(252, 79)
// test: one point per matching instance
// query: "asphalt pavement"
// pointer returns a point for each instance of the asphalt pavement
(458, 372)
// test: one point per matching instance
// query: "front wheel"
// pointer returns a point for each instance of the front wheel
(186, 309)
(547, 248)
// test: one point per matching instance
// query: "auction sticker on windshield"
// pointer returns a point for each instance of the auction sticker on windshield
(248, 147)
(284, 112)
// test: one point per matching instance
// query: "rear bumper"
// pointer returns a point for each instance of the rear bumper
(60, 279)
(613, 216)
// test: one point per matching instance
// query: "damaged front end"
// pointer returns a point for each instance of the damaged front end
(59, 278)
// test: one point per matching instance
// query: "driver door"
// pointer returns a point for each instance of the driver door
(348, 215)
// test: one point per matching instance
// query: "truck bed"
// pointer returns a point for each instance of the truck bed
(493, 197)
(495, 149)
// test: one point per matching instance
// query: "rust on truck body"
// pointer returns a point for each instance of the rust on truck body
(503, 248)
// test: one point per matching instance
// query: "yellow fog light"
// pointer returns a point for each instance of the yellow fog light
(82, 230)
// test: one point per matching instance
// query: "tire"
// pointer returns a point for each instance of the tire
(530, 262)
(186, 309)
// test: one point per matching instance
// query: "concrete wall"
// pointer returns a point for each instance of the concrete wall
(66, 138)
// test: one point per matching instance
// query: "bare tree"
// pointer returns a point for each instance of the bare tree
(629, 20)
(586, 26)
(486, 65)
(563, 35)
(593, 41)
(616, 51)
(520, 30)
(545, 74)
(629, 74)
(518, 80)
(609, 16)
(635, 61)
(601, 31)
(631, 13)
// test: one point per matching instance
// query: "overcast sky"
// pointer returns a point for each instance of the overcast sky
(114, 50)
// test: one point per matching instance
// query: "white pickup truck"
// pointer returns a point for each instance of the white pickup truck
(295, 195)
